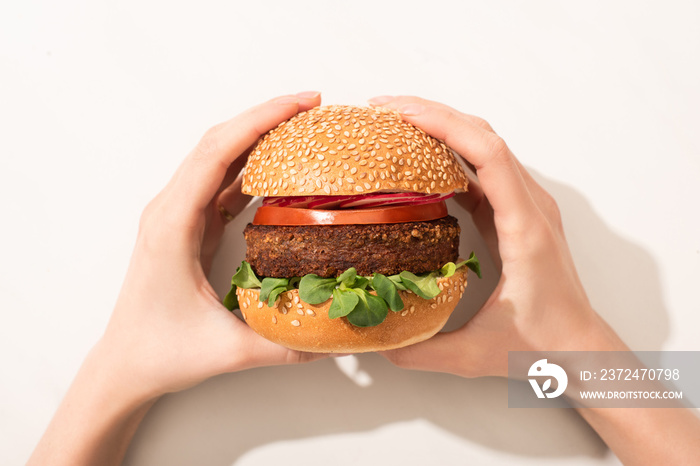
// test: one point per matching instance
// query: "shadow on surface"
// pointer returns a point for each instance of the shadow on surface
(228, 416)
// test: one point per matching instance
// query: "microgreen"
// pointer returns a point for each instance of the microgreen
(245, 277)
(230, 301)
(272, 284)
(350, 292)
(348, 277)
(344, 302)
(314, 289)
(370, 310)
(396, 279)
(424, 285)
(472, 263)
(386, 289)
(448, 269)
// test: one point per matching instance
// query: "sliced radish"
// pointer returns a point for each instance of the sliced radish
(415, 201)
(355, 201)
(361, 199)
(328, 202)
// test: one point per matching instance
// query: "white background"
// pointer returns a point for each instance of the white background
(100, 101)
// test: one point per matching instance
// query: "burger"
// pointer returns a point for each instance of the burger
(352, 249)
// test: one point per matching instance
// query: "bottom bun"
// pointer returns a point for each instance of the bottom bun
(306, 327)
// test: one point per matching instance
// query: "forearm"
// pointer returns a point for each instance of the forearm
(648, 435)
(95, 421)
(643, 435)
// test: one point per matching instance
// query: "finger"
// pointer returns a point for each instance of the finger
(495, 165)
(242, 348)
(227, 205)
(540, 196)
(385, 101)
(482, 215)
(271, 354)
(474, 202)
(544, 200)
(445, 352)
(234, 170)
(201, 174)
(473, 197)
(232, 201)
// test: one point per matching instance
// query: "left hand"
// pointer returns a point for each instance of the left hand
(169, 330)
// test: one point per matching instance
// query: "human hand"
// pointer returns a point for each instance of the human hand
(169, 330)
(539, 302)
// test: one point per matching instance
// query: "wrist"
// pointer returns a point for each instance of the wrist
(585, 331)
(110, 372)
(597, 335)
(96, 419)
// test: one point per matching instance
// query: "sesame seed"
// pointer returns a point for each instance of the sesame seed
(274, 319)
(338, 131)
(310, 312)
(296, 323)
(404, 313)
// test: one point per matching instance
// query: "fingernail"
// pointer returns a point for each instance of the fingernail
(287, 99)
(308, 94)
(381, 100)
(411, 109)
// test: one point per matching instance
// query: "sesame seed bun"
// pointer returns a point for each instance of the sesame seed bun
(307, 327)
(342, 150)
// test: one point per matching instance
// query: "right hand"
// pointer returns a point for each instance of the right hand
(539, 303)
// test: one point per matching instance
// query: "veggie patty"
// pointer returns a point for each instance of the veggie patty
(329, 250)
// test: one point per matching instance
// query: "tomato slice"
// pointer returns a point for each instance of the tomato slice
(294, 216)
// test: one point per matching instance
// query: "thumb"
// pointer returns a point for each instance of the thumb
(247, 350)
(450, 352)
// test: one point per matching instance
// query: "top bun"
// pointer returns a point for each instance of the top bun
(341, 150)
